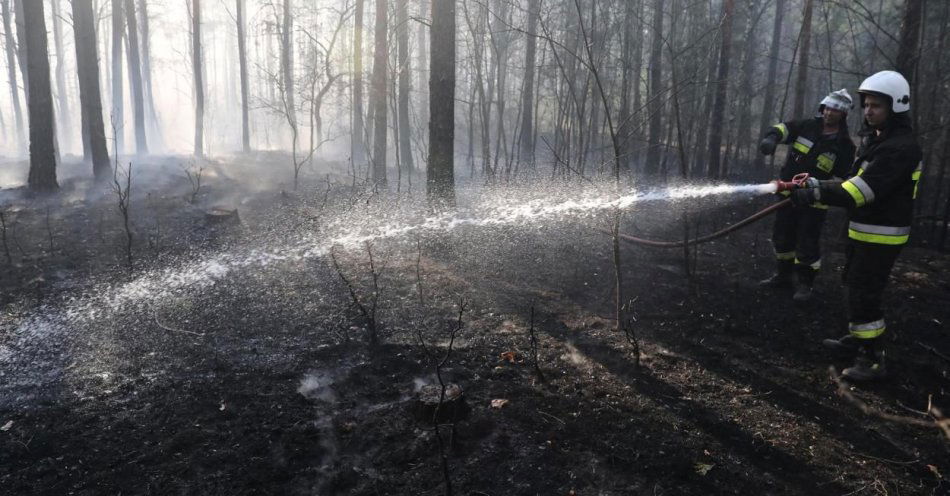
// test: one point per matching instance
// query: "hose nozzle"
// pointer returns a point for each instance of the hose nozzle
(799, 181)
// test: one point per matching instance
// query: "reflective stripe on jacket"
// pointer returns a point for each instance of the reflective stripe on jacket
(821, 156)
(882, 186)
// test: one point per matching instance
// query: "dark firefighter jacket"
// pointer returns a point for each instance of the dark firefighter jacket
(883, 184)
(822, 157)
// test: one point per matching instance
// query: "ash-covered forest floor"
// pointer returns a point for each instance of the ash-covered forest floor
(222, 364)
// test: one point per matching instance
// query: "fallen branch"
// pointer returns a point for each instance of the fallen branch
(169, 328)
(933, 351)
(939, 421)
(369, 316)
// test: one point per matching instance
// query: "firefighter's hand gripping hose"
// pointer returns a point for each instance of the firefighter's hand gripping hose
(800, 181)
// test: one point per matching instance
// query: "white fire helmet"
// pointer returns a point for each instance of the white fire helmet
(837, 100)
(890, 84)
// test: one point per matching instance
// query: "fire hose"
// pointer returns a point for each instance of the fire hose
(799, 181)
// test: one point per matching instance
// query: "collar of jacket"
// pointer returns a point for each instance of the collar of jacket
(842, 135)
(897, 125)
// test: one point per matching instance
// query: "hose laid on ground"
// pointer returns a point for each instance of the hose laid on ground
(718, 234)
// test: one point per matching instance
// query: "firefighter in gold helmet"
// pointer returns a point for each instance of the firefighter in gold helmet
(880, 195)
(822, 147)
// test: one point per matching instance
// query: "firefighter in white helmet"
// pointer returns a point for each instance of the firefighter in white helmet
(822, 147)
(880, 197)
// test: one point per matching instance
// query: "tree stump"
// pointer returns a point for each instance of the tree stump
(426, 406)
(222, 216)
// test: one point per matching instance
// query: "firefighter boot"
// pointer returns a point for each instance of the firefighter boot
(806, 279)
(782, 277)
(869, 366)
(846, 344)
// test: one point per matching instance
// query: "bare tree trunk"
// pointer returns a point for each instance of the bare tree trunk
(61, 91)
(722, 83)
(405, 144)
(440, 181)
(11, 74)
(909, 38)
(744, 129)
(118, 113)
(909, 49)
(21, 46)
(500, 42)
(652, 166)
(768, 104)
(380, 81)
(626, 75)
(199, 77)
(801, 84)
(242, 60)
(135, 78)
(287, 65)
(356, 138)
(637, 133)
(526, 141)
(421, 36)
(42, 149)
(146, 52)
(90, 100)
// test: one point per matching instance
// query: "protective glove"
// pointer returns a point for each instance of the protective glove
(805, 196)
(810, 183)
(768, 144)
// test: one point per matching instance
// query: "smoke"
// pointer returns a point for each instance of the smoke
(317, 385)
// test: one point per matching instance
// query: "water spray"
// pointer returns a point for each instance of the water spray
(774, 187)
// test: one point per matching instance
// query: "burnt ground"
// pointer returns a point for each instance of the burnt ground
(260, 380)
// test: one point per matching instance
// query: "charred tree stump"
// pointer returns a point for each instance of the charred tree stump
(427, 408)
(222, 216)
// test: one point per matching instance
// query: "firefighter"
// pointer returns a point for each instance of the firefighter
(822, 147)
(880, 197)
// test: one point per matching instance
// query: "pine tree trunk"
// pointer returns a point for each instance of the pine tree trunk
(744, 129)
(637, 97)
(801, 84)
(90, 99)
(909, 48)
(42, 149)
(652, 165)
(441, 166)
(405, 144)
(526, 141)
(135, 79)
(287, 65)
(380, 81)
(199, 77)
(61, 91)
(768, 103)
(242, 61)
(423, 80)
(626, 75)
(500, 43)
(356, 139)
(716, 125)
(21, 46)
(146, 43)
(909, 38)
(11, 74)
(118, 113)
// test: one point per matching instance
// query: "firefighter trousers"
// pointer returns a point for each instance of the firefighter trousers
(866, 270)
(796, 237)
